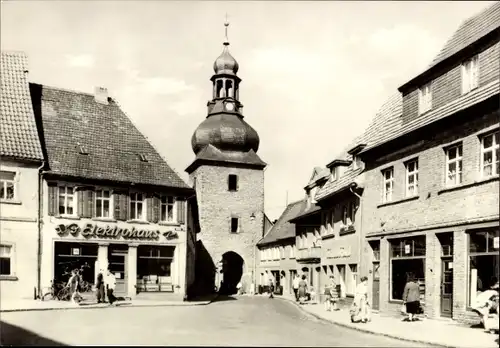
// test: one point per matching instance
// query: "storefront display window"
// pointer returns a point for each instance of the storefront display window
(154, 267)
(484, 261)
(70, 256)
(407, 255)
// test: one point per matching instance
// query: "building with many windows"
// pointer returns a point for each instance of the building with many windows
(109, 200)
(21, 158)
(431, 199)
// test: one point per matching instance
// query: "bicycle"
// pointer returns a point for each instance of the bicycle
(53, 293)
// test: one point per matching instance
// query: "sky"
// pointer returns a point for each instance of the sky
(314, 73)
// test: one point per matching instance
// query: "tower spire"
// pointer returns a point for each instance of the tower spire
(226, 25)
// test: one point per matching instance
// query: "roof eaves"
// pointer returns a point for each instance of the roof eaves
(338, 162)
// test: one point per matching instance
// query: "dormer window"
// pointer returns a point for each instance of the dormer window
(356, 162)
(82, 150)
(333, 174)
(470, 70)
(425, 98)
(142, 157)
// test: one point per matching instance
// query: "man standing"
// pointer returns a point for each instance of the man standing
(271, 286)
(111, 284)
(296, 282)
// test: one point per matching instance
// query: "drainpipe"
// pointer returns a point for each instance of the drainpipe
(360, 243)
(39, 223)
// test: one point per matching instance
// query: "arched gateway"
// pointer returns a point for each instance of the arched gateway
(232, 271)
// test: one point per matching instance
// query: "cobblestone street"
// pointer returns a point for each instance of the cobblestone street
(243, 321)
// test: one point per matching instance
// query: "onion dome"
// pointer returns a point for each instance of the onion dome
(225, 63)
(227, 132)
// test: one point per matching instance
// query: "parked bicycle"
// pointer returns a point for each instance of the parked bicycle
(57, 291)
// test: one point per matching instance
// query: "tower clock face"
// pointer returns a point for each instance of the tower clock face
(229, 106)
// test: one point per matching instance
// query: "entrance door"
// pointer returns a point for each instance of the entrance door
(447, 287)
(117, 259)
(376, 286)
(341, 269)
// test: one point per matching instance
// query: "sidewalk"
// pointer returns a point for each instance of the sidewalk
(37, 305)
(426, 331)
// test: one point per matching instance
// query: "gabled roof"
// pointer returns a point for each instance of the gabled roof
(470, 31)
(212, 154)
(114, 145)
(318, 173)
(306, 211)
(333, 187)
(283, 229)
(18, 133)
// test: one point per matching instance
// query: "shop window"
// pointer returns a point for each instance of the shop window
(234, 225)
(344, 215)
(484, 263)
(66, 201)
(7, 185)
(232, 182)
(5, 260)
(154, 267)
(167, 211)
(490, 155)
(407, 256)
(454, 165)
(103, 203)
(388, 177)
(137, 206)
(69, 256)
(411, 178)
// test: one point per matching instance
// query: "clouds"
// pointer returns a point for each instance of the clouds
(80, 60)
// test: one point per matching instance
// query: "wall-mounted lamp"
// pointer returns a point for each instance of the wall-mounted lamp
(252, 217)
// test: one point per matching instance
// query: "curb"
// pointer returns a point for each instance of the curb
(366, 330)
(128, 305)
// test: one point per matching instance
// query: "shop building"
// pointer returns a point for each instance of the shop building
(228, 177)
(20, 159)
(109, 200)
(277, 253)
(339, 199)
(431, 201)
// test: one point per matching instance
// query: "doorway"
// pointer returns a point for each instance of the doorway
(232, 271)
(117, 260)
(341, 269)
(376, 286)
(447, 287)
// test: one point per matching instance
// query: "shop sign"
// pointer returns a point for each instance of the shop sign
(96, 231)
(339, 252)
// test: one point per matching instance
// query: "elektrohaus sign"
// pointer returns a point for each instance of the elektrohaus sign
(113, 232)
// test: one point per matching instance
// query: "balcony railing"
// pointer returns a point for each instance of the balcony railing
(309, 253)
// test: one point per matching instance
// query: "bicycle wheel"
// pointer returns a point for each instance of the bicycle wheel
(63, 294)
(48, 296)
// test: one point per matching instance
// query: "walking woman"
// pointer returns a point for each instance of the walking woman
(302, 289)
(73, 285)
(100, 288)
(360, 311)
(411, 297)
(333, 296)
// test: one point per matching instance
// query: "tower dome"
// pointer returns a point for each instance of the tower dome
(226, 132)
(225, 63)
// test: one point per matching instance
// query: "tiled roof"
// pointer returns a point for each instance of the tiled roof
(113, 143)
(283, 229)
(332, 187)
(18, 132)
(306, 212)
(318, 173)
(470, 31)
(212, 154)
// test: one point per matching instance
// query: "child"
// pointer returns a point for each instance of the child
(332, 296)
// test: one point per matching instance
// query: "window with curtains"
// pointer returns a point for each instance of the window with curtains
(470, 74)
(67, 200)
(490, 161)
(137, 206)
(103, 203)
(7, 186)
(167, 209)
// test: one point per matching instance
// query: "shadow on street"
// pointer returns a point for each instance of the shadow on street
(12, 335)
(221, 298)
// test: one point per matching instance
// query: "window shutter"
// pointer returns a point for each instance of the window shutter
(89, 203)
(156, 208)
(181, 206)
(149, 207)
(52, 201)
(81, 201)
(124, 203)
(116, 205)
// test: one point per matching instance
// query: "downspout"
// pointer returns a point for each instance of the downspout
(360, 242)
(39, 223)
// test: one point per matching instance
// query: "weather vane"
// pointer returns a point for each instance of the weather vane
(226, 24)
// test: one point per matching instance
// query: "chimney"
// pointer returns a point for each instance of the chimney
(101, 95)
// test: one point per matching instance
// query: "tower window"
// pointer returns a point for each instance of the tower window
(232, 182)
(234, 225)
(219, 89)
(229, 88)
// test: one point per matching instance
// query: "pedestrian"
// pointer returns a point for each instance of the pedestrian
(411, 297)
(111, 284)
(332, 296)
(100, 288)
(360, 311)
(302, 289)
(73, 285)
(271, 286)
(295, 284)
(486, 303)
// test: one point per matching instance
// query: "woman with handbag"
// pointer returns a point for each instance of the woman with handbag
(411, 297)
